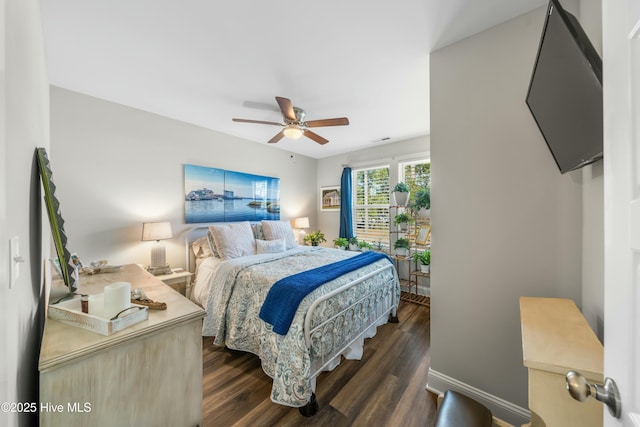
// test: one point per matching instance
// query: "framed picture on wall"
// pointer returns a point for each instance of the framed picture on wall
(330, 198)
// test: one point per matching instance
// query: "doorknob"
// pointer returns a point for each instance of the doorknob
(580, 390)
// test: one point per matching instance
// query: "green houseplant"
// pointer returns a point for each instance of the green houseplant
(315, 238)
(402, 220)
(401, 246)
(341, 243)
(424, 259)
(364, 246)
(421, 204)
(401, 194)
(353, 243)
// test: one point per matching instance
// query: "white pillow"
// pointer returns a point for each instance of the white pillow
(270, 246)
(234, 239)
(279, 230)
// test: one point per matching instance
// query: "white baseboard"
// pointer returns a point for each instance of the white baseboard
(438, 383)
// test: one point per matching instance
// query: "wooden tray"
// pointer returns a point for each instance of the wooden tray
(70, 312)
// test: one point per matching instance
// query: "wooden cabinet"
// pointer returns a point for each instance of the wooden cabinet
(557, 339)
(148, 374)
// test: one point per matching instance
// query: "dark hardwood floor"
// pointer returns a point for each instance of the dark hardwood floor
(385, 388)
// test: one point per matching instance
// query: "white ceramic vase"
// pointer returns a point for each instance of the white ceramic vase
(401, 198)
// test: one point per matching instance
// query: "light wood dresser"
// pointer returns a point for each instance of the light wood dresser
(557, 339)
(149, 374)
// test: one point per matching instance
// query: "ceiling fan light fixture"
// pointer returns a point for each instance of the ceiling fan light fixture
(292, 132)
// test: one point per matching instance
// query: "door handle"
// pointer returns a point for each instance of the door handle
(607, 393)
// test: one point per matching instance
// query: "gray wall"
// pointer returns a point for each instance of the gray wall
(117, 167)
(24, 120)
(590, 16)
(506, 223)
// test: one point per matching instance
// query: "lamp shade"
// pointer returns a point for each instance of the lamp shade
(156, 231)
(302, 222)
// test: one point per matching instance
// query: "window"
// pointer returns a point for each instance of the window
(371, 196)
(416, 174)
(371, 204)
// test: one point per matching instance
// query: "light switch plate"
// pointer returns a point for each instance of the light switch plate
(14, 256)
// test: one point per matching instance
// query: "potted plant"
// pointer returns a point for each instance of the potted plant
(341, 243)
(421, 204)
(353, 243)
(378, 245)
(401, 246)
(315, 238)
(402, 220)
(364, 246)
(424, 259)
(401, 194)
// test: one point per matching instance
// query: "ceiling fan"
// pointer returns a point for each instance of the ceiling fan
(294, 124)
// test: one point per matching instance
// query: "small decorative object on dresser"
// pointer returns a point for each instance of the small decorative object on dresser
(157, 231)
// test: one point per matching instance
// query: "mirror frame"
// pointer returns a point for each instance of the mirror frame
(67, 267)
(423, 235)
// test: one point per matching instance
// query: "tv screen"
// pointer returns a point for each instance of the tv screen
(565, 92)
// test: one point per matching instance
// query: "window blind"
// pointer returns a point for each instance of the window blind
(371, 204)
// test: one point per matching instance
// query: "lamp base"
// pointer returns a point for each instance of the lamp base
(159, 270)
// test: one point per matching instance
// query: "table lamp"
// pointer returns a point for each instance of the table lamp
(157, 231)
(301, 223)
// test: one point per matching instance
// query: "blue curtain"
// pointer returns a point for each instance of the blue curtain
(346, 213)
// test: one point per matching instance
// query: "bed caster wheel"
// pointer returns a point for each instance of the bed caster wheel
(311, 408)
(393, 319)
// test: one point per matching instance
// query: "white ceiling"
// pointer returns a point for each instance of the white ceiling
(206, 61)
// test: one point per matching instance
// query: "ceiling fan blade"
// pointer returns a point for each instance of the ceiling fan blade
(257, 121)
(317, 138)
(277, 138)
(340, 121)
(287, 108)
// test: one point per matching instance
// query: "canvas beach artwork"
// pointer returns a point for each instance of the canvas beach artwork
(219, 195)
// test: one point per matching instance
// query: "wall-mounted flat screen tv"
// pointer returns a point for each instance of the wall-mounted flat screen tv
(565, 92)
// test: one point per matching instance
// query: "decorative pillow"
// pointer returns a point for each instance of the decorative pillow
(279, 230)
(257, 230)
(270, 246)
(233, 239)
(212, 245)
(201, 247)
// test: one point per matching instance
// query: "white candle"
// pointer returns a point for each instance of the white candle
(117, 297)
(96, 305)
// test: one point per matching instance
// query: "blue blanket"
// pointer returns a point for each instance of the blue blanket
(285, 295)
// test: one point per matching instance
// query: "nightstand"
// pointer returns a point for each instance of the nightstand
(179, 280)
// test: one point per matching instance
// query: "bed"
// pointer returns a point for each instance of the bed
(238, 267)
